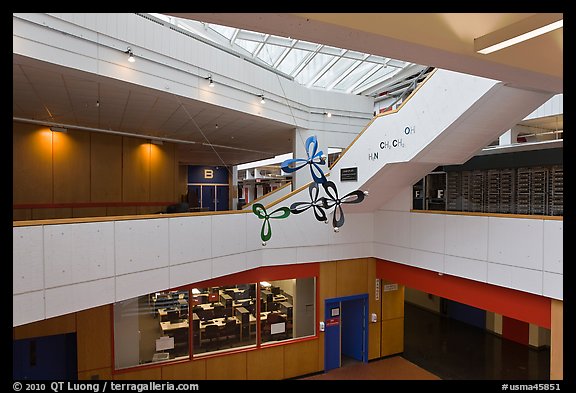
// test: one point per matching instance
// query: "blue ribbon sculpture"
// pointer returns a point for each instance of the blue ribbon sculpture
(318, 204)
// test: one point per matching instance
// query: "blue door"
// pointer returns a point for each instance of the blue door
(45, 358)
(209, 198)
(353, 328)
(332, 334)
(346, 329)
(222, 198)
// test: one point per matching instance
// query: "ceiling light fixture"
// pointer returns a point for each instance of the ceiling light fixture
(328, 114)
(210, 81)
(262, 100)
(518, 32)
(131, 58)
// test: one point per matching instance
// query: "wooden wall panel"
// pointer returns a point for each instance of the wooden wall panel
(195, 370)
(121, 211)
(392, 302)
(267, 363)
(101, 373)
(71, 154)
(226, 367)
(105, 168)
(374, 306)
(392, 337)
(94, 338)
(374, 332)
(181, 185)
(31, 164)
(153, 374)
(150, 209)
(47, 327)
(88, 211)
(557, 340)
(21, 214)
(300, 359)
(135, 170)
(162, 174)
(351, 277)
(51, 213)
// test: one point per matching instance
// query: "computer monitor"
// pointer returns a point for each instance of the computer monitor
(172, 315)
(275, 290)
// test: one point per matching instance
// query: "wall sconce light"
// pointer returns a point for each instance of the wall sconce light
(262, 100)
(210, 81)
(328, 114)
(518, 32)
(58, 129)
(156, 142)
(131, 58)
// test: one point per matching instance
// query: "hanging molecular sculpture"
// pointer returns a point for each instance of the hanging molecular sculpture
(320, 205)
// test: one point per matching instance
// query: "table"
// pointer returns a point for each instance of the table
(168, 326)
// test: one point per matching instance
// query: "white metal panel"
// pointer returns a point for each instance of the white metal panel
(349, 251)
(392, 227)
(554, 246)
(392, 253)
(553, 285)
(27, 259)
(227, 234)
(472, 269)
(253, 259)
(188, 273)
(312, 254)
(190, 239)
(253, 227)
(427, 260)
(526, 280)
(357, 228)
(427, 232)
(141, 245)
(75, 253)
(136, 284)
(402, 202)
(229, 264)
(76, 297)
(278, 256)
(516, 242)
(467, 236)
(27, 307)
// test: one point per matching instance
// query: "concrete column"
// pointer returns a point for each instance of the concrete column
(508, 138)
(234, 188)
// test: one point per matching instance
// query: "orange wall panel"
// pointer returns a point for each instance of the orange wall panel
(351, 277)
(135, 170)
(105, 168)
(267, 363)
(195, 370)
(557, 341)
(162, 172)
(71, 166)
(392, 337)
(31, 164)
(50, 213)
(226, 367)
(153, 374)
(300, 358)
(94, 338)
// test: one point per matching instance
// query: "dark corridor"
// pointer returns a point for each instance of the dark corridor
(455, 350)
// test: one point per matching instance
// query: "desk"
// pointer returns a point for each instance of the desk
(208, 306)
(168, 326)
